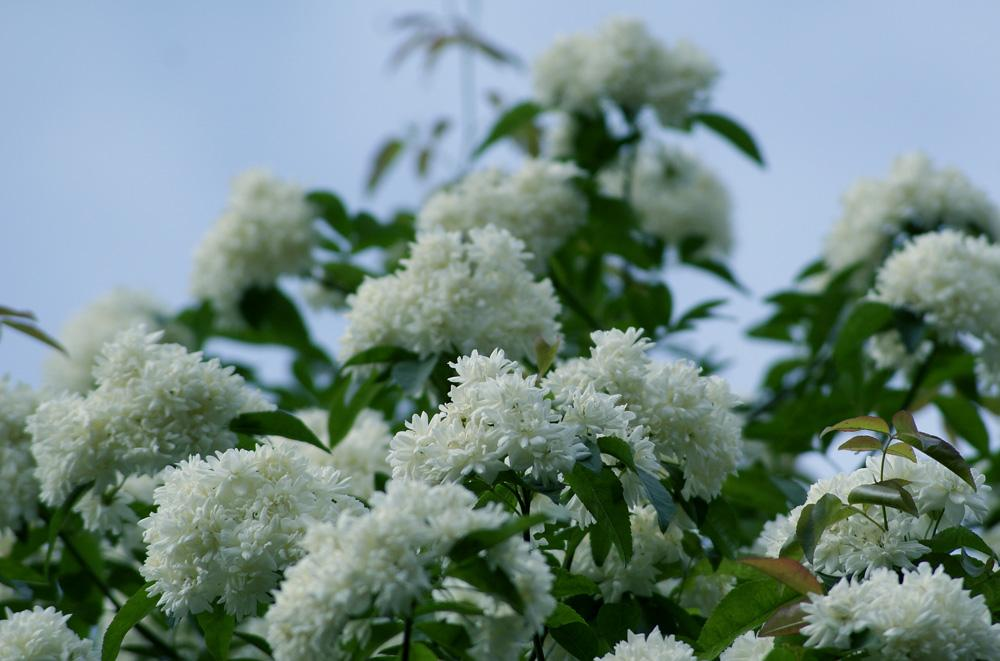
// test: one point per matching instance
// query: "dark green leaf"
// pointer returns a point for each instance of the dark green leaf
(953, 539)
(730, 130)
(940, 451)
(12, 571)
(601, 493)
(815, 518)
(477, 572)
(331, 209)
(864, 320)
(380, 354)
(887, 493)
(747, 606)
(480, 540)
(217, 628)
(342, 416)
(571, 585)
(659, 497)
(963, 417)
(275, 423)
(59, 518)
(386, 155)
(138, 606)
(254, 640)
(511, 121)
(35, 332)
(412, 375)
(572, 632)
(618, 449)
(788, 571)
(460, 607)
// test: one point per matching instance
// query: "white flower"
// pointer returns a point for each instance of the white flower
(265, 232)
(93, 326)
(226, 526)
(155, 404)
(359, 456)
(928, 616)
(748, 647)
(952, 280)
(916, 197)
(539, 204)
(17, 467)
(676, 197)
(381, 564)
(495, 419)
(688, 417)
(859, 544)
(41, 635)
(455, 294)
(651, 548)
(652, 647)
(888, 351)
(624, 64)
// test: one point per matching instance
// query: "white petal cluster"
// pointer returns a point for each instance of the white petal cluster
(266, 231)
(496, 419)
(857, 545)
(926, 616)
(455, 294)
(154, 405)
(17, 466)
(95, 325)
(539, 204)
(651, 548)
(689, 417)
(952, 280)
(748, 647)
(888, 351)
(653, 646)
(623, 63)
(227, 525)
(916, 197)
(676, 197)
(381, 564)
(359, 456)
(41, 635)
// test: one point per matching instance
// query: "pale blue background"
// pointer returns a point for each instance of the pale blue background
(122, 123)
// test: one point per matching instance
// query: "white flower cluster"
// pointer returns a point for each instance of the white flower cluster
(17, 467)
(154, 405)
(381, 564)
(359, 456)
(624, 64)
(651, 548)
(926, 616)
(538, 204)
(916, 197)
(859, 545)
(748, 647)
(653, 646)
(41, 634)
(454, 294)
(265, 232)
(95, 325)
(497, 418)
(676, 197)
(227, 525)
(689, 417)
(953, 281)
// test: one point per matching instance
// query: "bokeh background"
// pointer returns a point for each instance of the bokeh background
(123, 122)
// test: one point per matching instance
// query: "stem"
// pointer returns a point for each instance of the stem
(877, 524)
(539, 653)
(937, 523)
(407, 633)
(881, 477)
(145, 631)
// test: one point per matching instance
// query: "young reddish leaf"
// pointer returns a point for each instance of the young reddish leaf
(786, 621)
(788, 571)
(860, 423)
(904, 423)
(862, 443)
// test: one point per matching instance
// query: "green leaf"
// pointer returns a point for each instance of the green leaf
(618, 449)
(861, 443)
(275, 423)
(701, 311)
(545, 354)
(254, 640)
(511, 121)
(659, 497)
(601, 493)
(962, 415)
(331, 209)
(342, 416)
(888, 493)
(477, 572)
(815, 518)
(786, 621)
(386, 155)
(380, 354)
(904, 423)
(716, 268)
(902, 450)
(411, 375)
(12, 571)
(217, 627)
(138, 606)
(940, 451)
(13, 312)
(480, 540)
(572, 632)
(788, 571)
(732, 131)
(460, 607)
(748, 605)
(35, 332)
(864, 320)
(952, 539)
(59, 518)
(859, 423)
(571, 585)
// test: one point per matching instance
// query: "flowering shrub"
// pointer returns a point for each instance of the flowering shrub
(510, 455)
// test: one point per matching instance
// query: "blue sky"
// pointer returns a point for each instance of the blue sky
(122, 124)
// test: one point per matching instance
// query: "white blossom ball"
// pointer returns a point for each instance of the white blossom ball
(42, 635)
(17, 466)
(266, 231)
(653, 646)
(748, 647)
(227, 525)
(455, 294)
